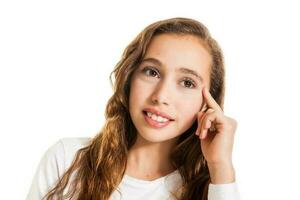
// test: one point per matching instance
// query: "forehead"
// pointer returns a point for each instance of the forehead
(180, 51)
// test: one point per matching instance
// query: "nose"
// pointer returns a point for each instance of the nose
(161, 93)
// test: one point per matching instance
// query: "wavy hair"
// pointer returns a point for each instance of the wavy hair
(98, 168)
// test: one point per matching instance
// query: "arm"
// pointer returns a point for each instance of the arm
(49, 169)
(223, 185)
(216, 133)
(228, 191)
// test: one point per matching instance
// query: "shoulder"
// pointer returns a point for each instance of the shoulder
(53, 164)
(66, 148)
(60, 155)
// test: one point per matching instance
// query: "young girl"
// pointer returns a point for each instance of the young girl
(165, 136)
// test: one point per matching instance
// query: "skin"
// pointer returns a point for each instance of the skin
(217, 145)
(183, 97)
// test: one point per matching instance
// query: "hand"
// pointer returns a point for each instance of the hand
(216, 133)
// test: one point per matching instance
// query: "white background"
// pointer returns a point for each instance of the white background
(56, 57)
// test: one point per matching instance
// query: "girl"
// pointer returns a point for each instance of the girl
(165, 136)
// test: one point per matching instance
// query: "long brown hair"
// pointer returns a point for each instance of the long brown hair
(98, 168)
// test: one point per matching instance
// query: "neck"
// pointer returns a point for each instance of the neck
(148, 160)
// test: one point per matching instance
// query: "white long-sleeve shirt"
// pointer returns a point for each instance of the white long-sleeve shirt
(59, 157)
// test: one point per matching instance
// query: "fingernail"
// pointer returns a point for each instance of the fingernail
(207, 125)
(201, 136)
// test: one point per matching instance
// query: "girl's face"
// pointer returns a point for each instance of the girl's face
(168, 85)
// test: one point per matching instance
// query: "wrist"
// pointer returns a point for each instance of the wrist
(221, 173)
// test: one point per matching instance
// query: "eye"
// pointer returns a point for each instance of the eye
(150, 71)
(188, 83)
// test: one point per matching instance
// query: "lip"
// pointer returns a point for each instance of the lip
(154, 123)
(156, 112)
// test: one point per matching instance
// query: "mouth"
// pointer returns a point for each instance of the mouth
(155, 112)
(155, 120)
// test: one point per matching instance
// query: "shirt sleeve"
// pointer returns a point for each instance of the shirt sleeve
(49, 170)
(228, 191)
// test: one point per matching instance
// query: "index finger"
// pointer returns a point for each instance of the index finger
(210, 101)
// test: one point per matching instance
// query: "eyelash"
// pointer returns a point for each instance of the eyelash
(156, 71)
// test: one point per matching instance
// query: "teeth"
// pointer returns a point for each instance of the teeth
(156, 118)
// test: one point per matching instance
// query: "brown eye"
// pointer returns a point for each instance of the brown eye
(150, 72)
(189, 83)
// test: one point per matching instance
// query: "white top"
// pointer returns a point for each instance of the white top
(59, 157)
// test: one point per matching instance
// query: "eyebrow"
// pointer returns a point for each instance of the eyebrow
(182, 69)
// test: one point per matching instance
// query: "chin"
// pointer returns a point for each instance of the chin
(156, 137)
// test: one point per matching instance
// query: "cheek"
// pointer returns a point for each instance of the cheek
(189, 109)
(138, 93)
(188, 114)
